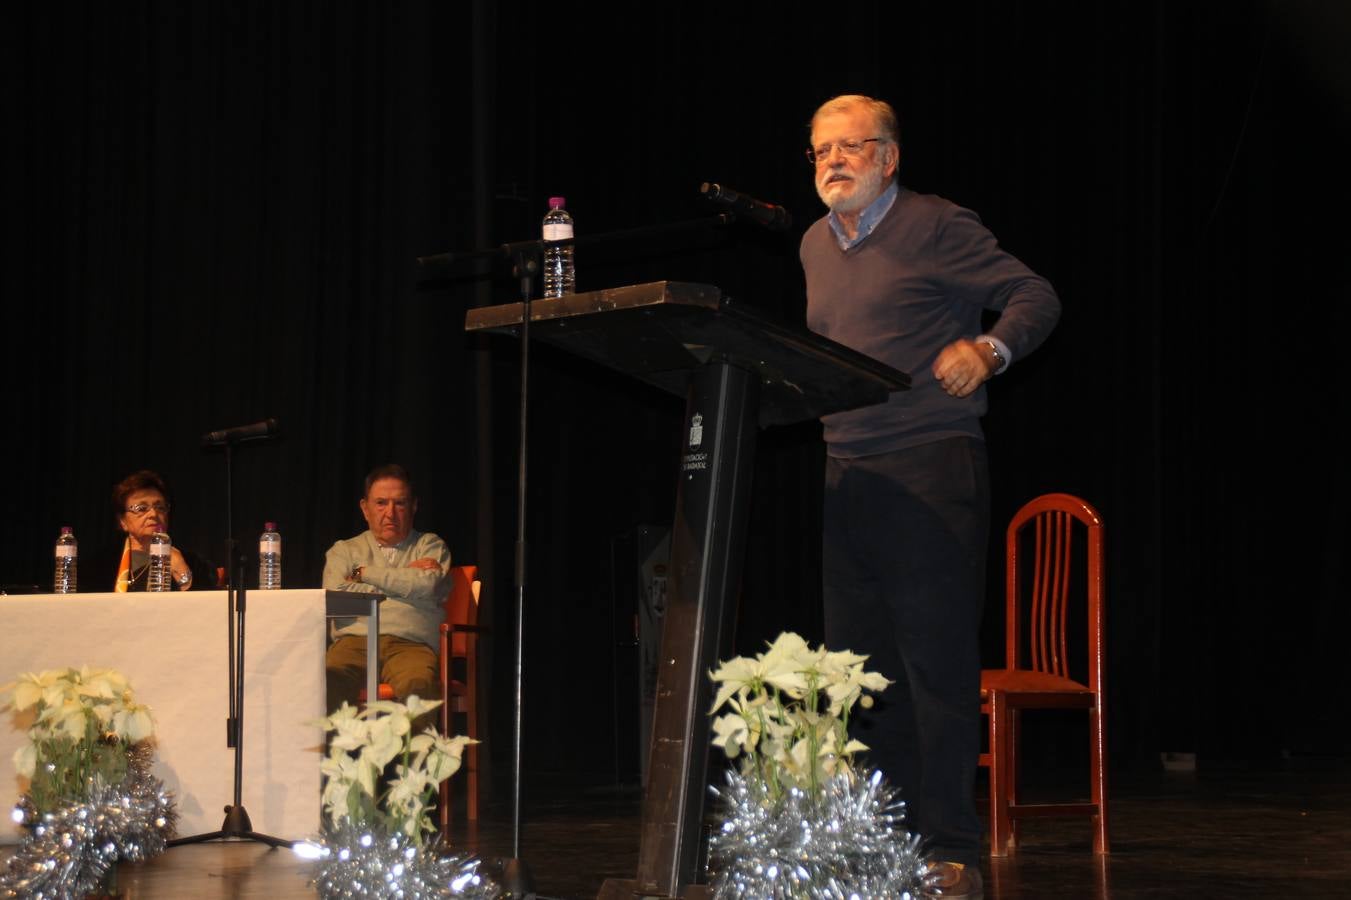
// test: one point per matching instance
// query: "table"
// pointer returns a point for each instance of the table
(174, 650)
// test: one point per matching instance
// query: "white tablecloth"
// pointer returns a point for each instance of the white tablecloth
(174, 650)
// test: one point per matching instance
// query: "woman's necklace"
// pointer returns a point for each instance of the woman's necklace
(134, 577)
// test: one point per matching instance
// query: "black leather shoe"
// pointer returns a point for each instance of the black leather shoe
(954, 881)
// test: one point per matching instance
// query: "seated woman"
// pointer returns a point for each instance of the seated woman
(141, 507)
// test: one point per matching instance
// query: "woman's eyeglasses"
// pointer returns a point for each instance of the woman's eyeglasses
(140, 509)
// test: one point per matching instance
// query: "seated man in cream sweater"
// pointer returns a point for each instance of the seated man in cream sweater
(412, 570)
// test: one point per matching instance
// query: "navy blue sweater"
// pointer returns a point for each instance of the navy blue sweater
(917, 283)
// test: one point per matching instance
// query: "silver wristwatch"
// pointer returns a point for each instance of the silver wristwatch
(994, 351)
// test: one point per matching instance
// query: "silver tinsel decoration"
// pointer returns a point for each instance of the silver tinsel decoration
(68, 851)
(366, 863)
(847, 843)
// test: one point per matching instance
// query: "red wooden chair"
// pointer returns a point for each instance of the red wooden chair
(458, 654)
(1054, 583)
(459, 687)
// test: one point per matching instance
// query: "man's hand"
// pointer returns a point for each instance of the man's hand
(426, 562)
(963, 366)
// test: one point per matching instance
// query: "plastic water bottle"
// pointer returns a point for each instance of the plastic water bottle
(160, 576)
(67, 556)
(560, 272)
(269, 558)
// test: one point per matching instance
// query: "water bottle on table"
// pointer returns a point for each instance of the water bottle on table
(67, 557)
(161, 576)
(269, 558)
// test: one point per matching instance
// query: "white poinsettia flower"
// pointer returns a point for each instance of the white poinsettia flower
(742, 676)
(453, 746)
(54, 694)
(793, 653)
(383, 743)
(134, 723)
(26, 759)
(66, 712)
(440, 757)
(787, 712)
(446, 755)
(734, 676)
(849, 689)
(72, 721)
(410, 824)
(406, 791)
(395, 716)
(842, 660)
(731, 733)
(780, 730)
(98, 688)
(440, 766)
(775, 750)
(364, 743)
(416, 706)
(787, 646)
(798, 761)
(26, 691)
(345, 782)
(357, 772)
(786, 663)
(350, 733)
(335, 720)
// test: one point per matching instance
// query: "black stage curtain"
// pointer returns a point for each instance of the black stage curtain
(214, 212)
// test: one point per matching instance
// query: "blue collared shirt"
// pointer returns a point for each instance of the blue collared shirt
(867, 220)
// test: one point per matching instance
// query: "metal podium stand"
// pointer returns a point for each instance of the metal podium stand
(738, 370)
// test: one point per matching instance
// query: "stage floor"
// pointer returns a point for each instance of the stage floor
(1232, 832)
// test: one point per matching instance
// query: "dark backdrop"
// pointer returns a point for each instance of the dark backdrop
(214, 212)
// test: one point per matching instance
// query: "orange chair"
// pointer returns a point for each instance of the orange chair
(459, 661)
(1053, 582)
(459, 684)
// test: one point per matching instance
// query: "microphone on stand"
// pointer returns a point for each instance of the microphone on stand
(255, 432)
(773, 217)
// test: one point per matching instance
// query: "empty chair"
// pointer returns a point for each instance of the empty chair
(1054, 600)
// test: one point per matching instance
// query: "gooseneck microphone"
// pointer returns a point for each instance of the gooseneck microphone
(255, 432)
(773, 217)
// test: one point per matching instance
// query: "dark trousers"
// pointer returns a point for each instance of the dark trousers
(905, 540)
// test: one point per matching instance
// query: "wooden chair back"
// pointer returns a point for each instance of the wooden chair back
(459, 685)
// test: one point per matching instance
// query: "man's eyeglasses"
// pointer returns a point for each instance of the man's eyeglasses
(820, 153)
(140, 509)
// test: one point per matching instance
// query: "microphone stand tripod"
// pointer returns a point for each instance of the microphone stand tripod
(236, 824)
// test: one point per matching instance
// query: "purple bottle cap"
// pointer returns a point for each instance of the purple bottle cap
(66, 529)
(269, 526)
(556, 202)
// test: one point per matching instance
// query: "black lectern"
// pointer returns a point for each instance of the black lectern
(737, 370)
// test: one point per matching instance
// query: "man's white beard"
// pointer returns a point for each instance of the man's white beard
(867, 188)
